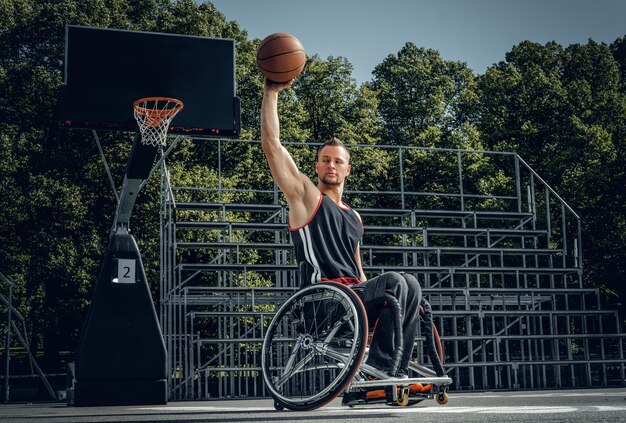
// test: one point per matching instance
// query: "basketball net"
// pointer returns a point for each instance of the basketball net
(153, 115)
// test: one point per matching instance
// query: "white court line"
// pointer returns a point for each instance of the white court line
(610, 407)
(482, 410)
(469, 410)
(175, 409)
(541, 395)
(423, 410)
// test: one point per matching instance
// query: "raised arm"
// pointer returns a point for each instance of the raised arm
(301, 194)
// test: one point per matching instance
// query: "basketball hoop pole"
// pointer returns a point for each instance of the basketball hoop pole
(153, 116)
(121, 356)
(137, 172)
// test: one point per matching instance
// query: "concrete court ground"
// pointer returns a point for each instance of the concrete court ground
(576, 405)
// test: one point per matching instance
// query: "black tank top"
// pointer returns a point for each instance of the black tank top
(326, 245)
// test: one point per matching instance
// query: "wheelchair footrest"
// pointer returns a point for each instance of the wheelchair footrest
(417, 393)
(440, 381)
(396, 391)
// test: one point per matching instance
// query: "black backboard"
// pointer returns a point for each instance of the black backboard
(106, 70)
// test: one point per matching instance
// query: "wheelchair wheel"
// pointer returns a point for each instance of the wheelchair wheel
(314, 346)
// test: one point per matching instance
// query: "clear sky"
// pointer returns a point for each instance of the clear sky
(477, 32)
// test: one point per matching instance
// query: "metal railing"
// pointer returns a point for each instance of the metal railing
(217, 297)
(12, 328)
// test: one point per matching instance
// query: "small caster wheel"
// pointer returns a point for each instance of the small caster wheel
(278, 407)
(403, 401)
(442, 398)
(403, 397)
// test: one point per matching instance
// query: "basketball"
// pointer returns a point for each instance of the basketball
(280, 57)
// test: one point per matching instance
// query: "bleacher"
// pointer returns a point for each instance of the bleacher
(505, 285)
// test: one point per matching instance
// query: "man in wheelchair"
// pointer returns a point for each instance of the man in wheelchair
(326, 234)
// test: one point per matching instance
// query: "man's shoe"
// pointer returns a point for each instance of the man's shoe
(402, 374)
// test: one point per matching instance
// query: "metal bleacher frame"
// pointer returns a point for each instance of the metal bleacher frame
(503, 272)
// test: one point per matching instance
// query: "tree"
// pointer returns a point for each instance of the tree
(423, 98)
(425, 101)
(563, 110)
(334, 106)
(618, 48)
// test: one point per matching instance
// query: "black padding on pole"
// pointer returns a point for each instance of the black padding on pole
(140, 160)
(112, 392)
(121, 356)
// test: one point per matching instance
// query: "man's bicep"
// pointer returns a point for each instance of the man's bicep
(285, 172)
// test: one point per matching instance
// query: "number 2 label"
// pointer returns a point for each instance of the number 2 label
(125, 271)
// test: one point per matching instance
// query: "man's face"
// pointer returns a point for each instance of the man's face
(333, 165)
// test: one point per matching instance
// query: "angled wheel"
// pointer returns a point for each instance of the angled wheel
(314, 346)
(403, 399)
(442, 398)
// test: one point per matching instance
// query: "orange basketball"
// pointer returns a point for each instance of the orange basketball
(280, 57)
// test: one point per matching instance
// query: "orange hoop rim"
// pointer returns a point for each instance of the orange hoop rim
(155, 112)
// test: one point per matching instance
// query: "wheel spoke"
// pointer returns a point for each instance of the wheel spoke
(292, 357)
(302, 363)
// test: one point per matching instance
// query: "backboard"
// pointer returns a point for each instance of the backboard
(106, 70)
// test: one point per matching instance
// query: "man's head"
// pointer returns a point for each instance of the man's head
(333, 162)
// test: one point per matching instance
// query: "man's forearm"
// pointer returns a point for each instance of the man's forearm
(270, 126)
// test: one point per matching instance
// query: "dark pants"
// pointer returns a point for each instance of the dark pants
(406, 289)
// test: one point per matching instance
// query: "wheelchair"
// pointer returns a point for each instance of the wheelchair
(315, 347)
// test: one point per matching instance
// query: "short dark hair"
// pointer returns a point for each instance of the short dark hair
(333, 142)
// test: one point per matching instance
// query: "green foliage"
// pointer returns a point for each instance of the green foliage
(618, 48)
(333, 105)
(563, 110)
(423, 98)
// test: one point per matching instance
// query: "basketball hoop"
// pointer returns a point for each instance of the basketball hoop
(153, 115)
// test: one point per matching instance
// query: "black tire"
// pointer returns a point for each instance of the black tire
(314, 346)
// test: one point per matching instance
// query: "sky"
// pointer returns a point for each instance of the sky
(477, 32)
